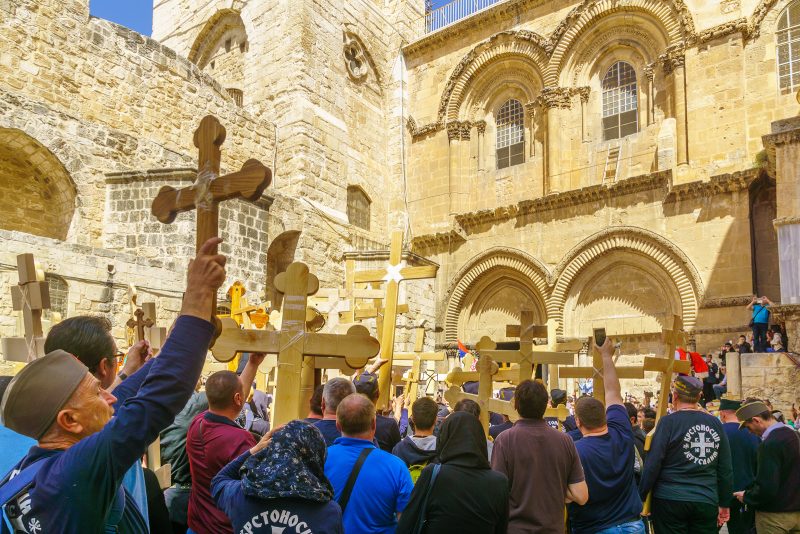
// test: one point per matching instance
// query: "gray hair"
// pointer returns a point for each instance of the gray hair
(335, 390)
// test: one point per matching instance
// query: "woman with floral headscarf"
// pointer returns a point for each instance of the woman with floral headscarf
(280, 483)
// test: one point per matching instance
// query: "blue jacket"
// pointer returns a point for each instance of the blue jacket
(75, 488)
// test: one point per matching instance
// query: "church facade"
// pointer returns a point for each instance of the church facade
(598, 162)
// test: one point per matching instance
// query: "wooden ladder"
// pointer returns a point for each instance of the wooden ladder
(612, 165)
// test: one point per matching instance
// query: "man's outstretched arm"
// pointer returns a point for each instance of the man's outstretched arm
(610, 378)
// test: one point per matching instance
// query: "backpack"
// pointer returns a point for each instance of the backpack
(416, 470)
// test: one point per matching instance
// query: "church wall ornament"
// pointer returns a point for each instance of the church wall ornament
(357, 59)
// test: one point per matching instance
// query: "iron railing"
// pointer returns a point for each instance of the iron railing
(454, 11)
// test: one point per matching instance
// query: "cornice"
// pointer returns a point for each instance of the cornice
(722, 30)
(785, 221)
(789, 137)
(428, 241)
(726, 302)
(720, 330)
(786, 311)
(724, 183)
(175, 174)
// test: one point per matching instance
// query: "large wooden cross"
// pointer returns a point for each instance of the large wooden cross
(417, 357)
(668, 366)
(31, 296)
(155, 334)
(294, 345)
(209, 189)
(487, 373)
(392, 275)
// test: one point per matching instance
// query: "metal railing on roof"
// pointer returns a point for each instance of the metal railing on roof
(454, 11)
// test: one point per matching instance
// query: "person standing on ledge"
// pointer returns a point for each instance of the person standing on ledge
(759, 322)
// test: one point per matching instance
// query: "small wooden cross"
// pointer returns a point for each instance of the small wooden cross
(156, 335)
(31, 296)
(295, 347)
(138, 323)
(417, 357)
(486, 369)
(392, 275)
(209, 189)
(331, 305)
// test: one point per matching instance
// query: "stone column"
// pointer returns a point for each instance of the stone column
(583, 92)
(673, 62)
(783, 149)
(481, 128)
(553, 98)
(733, 364)
(650, 74)
(454, 135)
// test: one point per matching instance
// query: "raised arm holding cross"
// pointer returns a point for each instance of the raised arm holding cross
(209, 189)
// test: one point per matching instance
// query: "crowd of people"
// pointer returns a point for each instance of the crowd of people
(75, 432)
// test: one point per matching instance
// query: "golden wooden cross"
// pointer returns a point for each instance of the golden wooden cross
(294, 345)
(331, 306)
(486, 369)
(668, 365)
(31, 296)
(210, 189)
(417, 357)
(392, 275)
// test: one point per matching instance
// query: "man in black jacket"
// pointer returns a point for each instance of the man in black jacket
(419, 449)
(775, 493)
(744, 447)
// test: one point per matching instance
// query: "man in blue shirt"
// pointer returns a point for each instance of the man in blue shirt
(760, 322)
(382, 486)
(83, 453)
(607, 455)
(335, 390)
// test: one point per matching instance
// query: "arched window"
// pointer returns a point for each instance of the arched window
(620, 103)
(358, 207)
(788, 52)
(59, 293)
(510, 134)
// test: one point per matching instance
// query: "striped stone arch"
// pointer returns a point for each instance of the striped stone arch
(482, 265)
(526, 45)
(673, 17)
(660, 250)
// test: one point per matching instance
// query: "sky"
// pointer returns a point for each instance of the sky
(138, 14)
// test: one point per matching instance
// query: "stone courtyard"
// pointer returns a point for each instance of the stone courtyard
(601, 163)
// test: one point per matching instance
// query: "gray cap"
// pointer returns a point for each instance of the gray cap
(750, 410)
(38, 392)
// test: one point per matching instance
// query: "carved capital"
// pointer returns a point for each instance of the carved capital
(481, 127)
(459, 130)
(673, 58)
(649, 72)
(555, 97)
(583, 92)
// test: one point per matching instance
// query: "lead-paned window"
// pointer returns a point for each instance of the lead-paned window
(620, 102)
(788, 50)
(510, 134)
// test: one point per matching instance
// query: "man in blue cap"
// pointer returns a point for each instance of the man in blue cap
(744, 448)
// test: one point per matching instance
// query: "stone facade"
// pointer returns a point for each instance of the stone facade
(593, 231)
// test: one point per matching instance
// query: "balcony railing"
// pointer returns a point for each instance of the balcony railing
(454, 11)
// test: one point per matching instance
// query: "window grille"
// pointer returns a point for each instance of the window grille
(358, 207)
(510, 134)
(59, 293)
(788, 50)
(620, 102)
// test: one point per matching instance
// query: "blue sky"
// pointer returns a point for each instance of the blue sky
(138, 14)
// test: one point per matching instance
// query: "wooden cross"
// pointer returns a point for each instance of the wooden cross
(392, 275)
(31, 296)
(156, 335)
(329, 303)
(671, 338)
(416, 358)
(138, 323)
(294, 345)
(209, 189)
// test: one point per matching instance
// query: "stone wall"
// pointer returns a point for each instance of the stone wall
(771, 376)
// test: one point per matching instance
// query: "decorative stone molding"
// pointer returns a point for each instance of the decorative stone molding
(419, 131)
(583, 92)
(784, 221)
(479, 217)
(480, 265)
(555, 97)
(761, 10)
(177, 174)
(459, 130)
(661, 250)
(649, 72)
(722, 30)
(437, 239)
(724, 183)
(782, 138)
(726, 302)
(720, 330)
(481, 127)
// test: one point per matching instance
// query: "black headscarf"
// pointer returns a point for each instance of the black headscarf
(461, 442)
(292, 465)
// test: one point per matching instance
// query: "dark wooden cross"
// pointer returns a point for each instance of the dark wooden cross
(138, 323)
(209, 189)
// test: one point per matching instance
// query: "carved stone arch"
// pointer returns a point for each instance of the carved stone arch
(673, 18)
(636, 240)
(37, 193)
(581, 63)
(207, 39)
(491, 265)
(498, 79)
(766, 13)
(526, 45)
